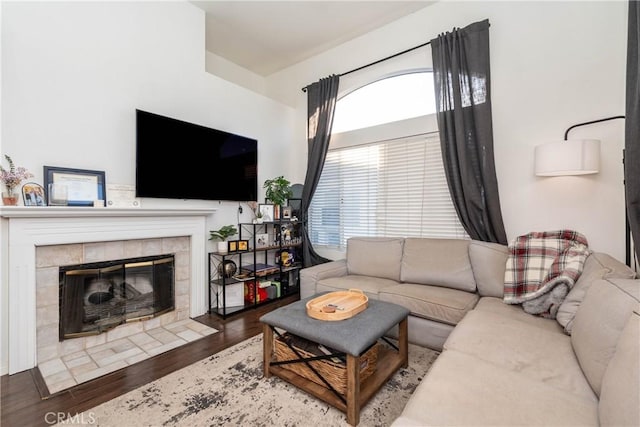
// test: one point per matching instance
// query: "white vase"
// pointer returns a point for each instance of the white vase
(222, 247)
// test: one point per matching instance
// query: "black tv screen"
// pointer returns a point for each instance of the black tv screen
(181, 160)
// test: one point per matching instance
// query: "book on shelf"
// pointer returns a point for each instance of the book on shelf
(244, 276)
(260, 268)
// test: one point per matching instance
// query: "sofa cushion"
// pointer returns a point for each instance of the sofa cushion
(375, 256)
(371, 286)
(599, 322)
(620, 392)
(431, 302)
(542, 355)
(438, 262)
(516, 313)
(488, 262)
(597, 266)
(463, 390)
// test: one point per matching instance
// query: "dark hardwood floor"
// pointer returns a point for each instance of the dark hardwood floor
(22, 405)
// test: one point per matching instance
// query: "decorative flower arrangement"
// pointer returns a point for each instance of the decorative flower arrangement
(13, 177)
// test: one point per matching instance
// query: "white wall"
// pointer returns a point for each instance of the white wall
(553, 64)
(231, 72)
(73, 74)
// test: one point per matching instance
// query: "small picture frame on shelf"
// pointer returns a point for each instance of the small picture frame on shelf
(262, 240)
(286, 212)
(243, 245)
(232, 245)
(267, 212)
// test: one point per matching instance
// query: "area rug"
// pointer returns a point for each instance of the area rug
(228, 388)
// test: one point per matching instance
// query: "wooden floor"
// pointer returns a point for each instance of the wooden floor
(21, 404)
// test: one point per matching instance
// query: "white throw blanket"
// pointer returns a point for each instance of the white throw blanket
(542, 267)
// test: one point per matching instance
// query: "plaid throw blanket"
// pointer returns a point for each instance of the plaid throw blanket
(542, 267)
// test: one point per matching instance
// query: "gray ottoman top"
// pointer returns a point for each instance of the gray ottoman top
(352, 336)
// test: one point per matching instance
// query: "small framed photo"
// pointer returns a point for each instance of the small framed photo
(232, 246)
(33, 194)
(267, 212)
(262, 240)
(243, 245)
(73, 187)
(286, 212)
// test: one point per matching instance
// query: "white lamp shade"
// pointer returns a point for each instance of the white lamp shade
(571, 157)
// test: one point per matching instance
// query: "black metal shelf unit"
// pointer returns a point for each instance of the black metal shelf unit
(268, 271)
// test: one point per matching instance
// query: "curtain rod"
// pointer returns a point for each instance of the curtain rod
(304, 89)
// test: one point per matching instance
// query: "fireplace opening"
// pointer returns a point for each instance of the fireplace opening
(99, 296)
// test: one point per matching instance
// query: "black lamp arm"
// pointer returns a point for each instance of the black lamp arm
(591, 122)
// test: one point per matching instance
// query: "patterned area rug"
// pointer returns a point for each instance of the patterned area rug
(228, 389)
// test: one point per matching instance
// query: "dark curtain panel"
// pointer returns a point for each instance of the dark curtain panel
(321, 104)
(463, 101)
(632, 125)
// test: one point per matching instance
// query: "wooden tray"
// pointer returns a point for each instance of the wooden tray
(346, 304)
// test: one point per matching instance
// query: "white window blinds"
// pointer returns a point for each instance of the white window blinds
(389, 188)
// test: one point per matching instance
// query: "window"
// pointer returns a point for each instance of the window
(384, 101)
(387, 186)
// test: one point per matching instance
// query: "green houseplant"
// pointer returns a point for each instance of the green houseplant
(223, 234)
(278, 190)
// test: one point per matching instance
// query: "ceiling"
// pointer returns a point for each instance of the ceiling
(267, 36)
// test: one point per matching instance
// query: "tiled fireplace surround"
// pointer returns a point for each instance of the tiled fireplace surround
(38, 240)
(50, 258)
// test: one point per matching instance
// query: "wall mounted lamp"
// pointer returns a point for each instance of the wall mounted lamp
(569, 157)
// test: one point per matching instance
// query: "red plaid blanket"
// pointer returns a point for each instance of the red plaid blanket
(542, 267)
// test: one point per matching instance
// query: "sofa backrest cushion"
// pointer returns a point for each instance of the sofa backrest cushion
(488, 262)
(599, 322)
(597, 266)
(375, 256)
(620, 393)
(438, 262)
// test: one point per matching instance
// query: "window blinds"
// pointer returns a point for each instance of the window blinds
(389, 188)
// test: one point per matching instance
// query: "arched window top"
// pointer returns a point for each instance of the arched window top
(391, 99)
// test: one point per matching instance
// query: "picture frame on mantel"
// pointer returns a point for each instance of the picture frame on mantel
(83, 187)
(33, 194)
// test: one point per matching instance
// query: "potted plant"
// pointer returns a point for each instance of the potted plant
(278, 190)
(11, 179)
(259, 218)
(223, 234)
(255, 207)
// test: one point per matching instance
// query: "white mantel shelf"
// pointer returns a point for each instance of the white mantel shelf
(91, 212)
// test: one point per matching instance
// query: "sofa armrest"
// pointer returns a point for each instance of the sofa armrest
(311, 275)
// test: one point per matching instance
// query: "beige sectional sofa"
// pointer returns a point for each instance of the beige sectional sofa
(500, 365)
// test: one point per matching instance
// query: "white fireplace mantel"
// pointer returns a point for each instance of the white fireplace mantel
(90, 212)
(25, 228)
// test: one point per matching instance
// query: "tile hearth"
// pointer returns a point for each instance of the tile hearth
(84, 365)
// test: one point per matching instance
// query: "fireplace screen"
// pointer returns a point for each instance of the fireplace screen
(99, 296)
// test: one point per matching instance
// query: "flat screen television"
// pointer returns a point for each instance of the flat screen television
(180, 160)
